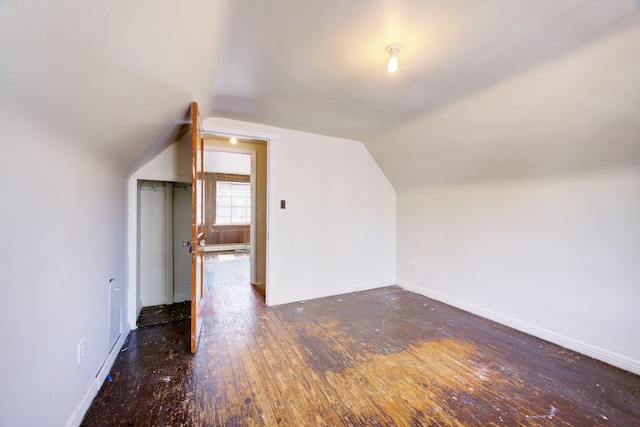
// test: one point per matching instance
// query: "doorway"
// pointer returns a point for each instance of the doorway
(228, 194)
(173, 164)
(164, 223)
(242, 156)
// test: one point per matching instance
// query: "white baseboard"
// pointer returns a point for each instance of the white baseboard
(182, 298)
(321, 293)
(154, 302)
(606, 356)
(94, 386)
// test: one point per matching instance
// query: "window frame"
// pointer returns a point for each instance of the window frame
(242, 193)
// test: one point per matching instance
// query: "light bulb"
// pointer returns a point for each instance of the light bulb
(392, 65)
(234, 140)
(393, 50)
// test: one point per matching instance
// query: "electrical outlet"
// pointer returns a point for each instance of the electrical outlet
(414, 266)
(80, 350)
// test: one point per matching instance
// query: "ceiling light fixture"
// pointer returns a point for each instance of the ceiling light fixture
(393, 50)
(233, 140)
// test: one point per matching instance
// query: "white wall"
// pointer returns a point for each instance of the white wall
(83, 91)
(62, 233)
(153, 253)
(337, 233)
(558, 258)
(227, 162)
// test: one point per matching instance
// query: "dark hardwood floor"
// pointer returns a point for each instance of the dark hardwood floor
(374, 358)
(161, 314)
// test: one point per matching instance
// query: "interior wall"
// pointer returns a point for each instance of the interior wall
(62, 227)
(557, 258)
(337, 233)
(83, 92)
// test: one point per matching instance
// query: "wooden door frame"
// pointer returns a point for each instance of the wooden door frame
(197, 227)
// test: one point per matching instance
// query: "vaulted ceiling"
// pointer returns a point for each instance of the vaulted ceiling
(487, 90)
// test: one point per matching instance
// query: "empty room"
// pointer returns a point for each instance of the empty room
(436, 221)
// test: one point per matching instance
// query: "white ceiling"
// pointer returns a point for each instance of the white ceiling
(321, 66)
(109, 77)
(487, 90)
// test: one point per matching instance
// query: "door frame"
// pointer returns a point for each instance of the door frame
(173, 251)
(211, 128)
(161, 164)
(156, 166)
(218, 145)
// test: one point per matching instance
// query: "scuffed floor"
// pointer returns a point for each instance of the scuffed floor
(380, 357)
(161, 314)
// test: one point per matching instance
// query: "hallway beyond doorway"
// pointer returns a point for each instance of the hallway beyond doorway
(227, 284)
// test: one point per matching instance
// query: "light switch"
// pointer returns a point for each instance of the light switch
(283, 204)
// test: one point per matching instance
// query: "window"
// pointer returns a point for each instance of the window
(233, 202)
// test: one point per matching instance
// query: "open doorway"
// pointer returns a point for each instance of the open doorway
(174, 165)
(228, 195)
(164, 223)
(236, 211)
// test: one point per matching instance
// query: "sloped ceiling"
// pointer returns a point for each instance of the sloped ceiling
(109, 76)
(487, 90)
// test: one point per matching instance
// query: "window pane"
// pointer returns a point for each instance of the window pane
(233, 202)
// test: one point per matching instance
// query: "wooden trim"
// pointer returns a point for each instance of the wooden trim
(227, 234)
(197, 228)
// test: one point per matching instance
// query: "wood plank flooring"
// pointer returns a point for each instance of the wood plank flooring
(385, 357)
(161, 314)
